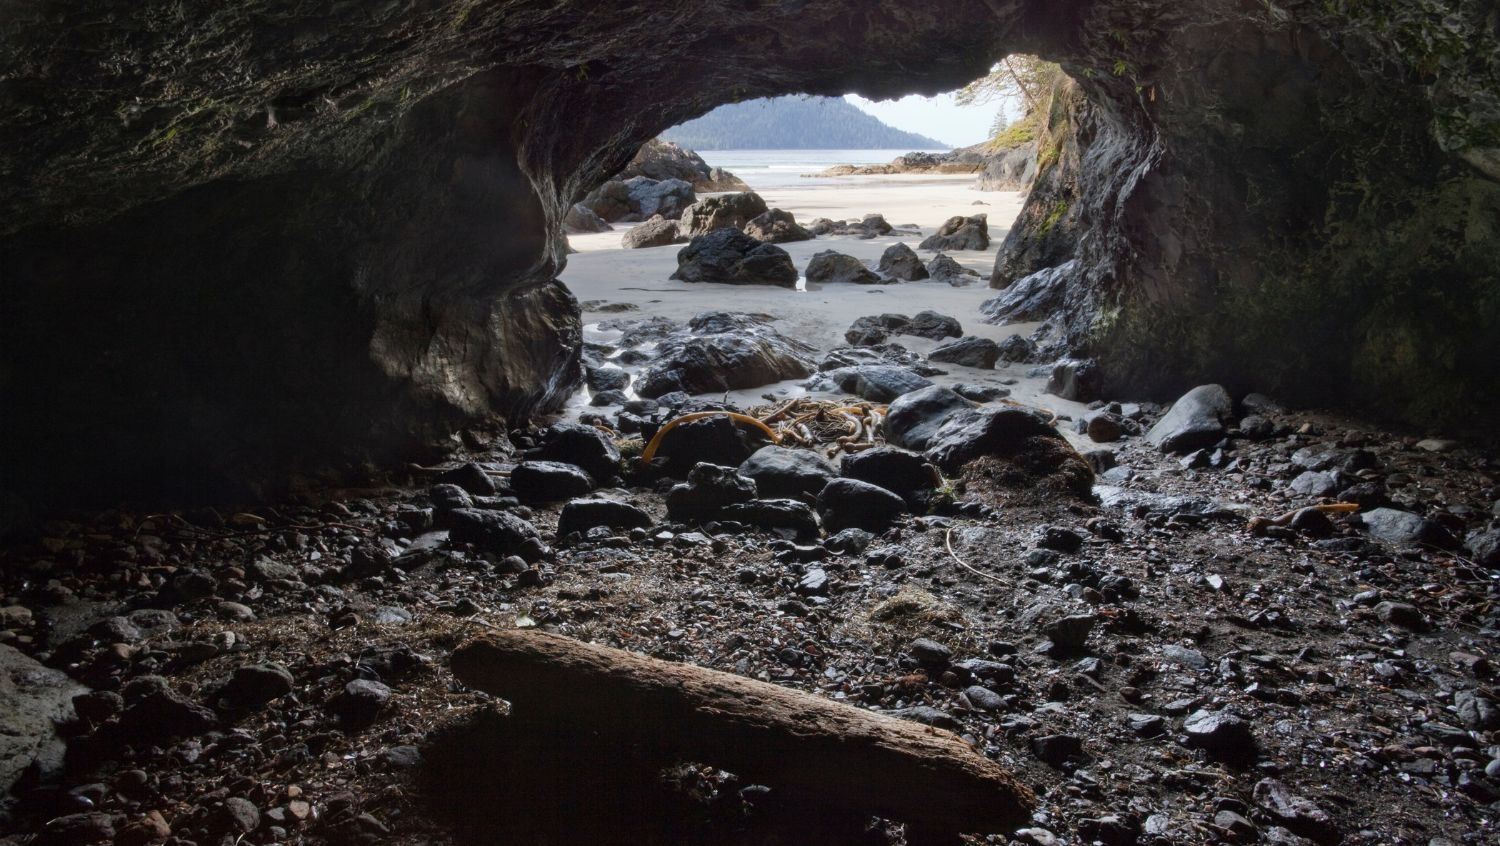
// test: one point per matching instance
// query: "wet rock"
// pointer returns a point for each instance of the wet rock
(960, 233)
(359, 704)
(983, 699)
(1147, 725)
(1398, 528)
(164, 714)
(1103, 427)
(904, 473)
(666, 197)
(712, 440)
(730, 257)
(1016, 349)
(731, 211)
(1074, 379)
(471, 477)
(744, 354)
(1484, 548)
(580, 515)
(871, 330)
(901, 262)
(944, 268)
(1299, 814)
(656, 232)
(1314, 484)
(874, 382)
(852, 504)
(584, 446)
(499, 532)
(849, 541)
(605, 399)
(933, 326)
(776, 227)
(915, 417)
(1057, 750)
(1223, 736)
(1198, 420)
(709, 488)
(448, 497)
(581, 219)
(987, 431)
(95, 707)
(1476, 711)
(1036, 296)
(980, 393)
(832, 268)
(549, 481)
(782, 472)
(969, 351)
(255, 685)
(776, 515)
(34, 699)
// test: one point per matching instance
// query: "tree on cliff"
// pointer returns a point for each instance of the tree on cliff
(1015, 77)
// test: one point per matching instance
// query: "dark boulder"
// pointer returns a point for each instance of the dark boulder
(901, 262)
(585, 446)
(499, 532)
(580, 515)
(776, 227)
(581, 219)
(723, 355)
(1199, 419)
(943, 268)
(34, 701)
(610, 201)
(712, 440)
(537, 482)
(781, 472)
(727, 211)
(709, 488)
(987, 431)
(829, 267)
(871, 330)
(1034, 297)
(903, 473)
(656, 232)
(852, 504)
(660, 159)
(666, 197)
(961, 233)
(1016, 349)
(1484, 546)
(931, 325)
(874, 382)
(969, 351)
(777, 515)
(1074, 379)
(914, 418)
(730, 257)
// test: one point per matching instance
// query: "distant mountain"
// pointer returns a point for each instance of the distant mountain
(794, 123)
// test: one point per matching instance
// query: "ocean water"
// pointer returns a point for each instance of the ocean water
(765, 170)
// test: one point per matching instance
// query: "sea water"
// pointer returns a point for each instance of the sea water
(765, 170)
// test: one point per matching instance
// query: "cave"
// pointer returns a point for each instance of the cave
(256, 246)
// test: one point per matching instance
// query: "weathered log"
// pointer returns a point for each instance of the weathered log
(850, 759)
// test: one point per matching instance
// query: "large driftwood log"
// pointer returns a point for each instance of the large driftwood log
(852, 760)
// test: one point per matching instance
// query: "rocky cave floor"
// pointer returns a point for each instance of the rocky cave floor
(273, 676)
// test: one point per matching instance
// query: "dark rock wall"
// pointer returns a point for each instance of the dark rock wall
(267, 238)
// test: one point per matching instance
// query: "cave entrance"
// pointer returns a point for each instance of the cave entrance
(853, 242)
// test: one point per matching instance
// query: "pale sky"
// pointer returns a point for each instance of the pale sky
(936, 117)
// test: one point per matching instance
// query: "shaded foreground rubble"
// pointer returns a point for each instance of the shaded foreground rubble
(1176, 651)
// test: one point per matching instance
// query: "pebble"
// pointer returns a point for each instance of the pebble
(929, 653)
(1223, 736)
(257, 684)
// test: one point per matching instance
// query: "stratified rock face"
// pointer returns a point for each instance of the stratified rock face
(240, 243)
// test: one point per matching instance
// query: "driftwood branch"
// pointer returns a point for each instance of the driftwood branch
(852, 760)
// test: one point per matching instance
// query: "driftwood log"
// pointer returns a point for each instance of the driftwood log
(851, 760)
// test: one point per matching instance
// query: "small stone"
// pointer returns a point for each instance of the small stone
(239, 816)
(929, 653)
(1400, 614)
(1299, 814)
(1070, 633)
(1055, 750)
(359, 704)
(983, 699)
(1147, 725)
(256, 684)
(1223, 736)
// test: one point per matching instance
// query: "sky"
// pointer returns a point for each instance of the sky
(936, 117)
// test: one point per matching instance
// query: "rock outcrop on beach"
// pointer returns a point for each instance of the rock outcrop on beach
(731, 211)
(656, 232)
(661, 160)
(720, 351)
(960, 233)
(776, 227)
(250, 220)
(731, 257)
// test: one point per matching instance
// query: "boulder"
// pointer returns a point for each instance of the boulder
(585, 446)
(660, 159)
(499, 532)
(871, 330)
(914, 418)
(829, 267)
(968, 351)
(874, 382)
(961, 233)
(582, 219)
(1016, 349)
(782, 472)
(1484, 547)
(987, 431)
(777, 515)
(656, 232)
(34, 700)
(903, 473)
(852, 504)
(1034, 297)
(1198, 420)
(727, 211)
(712, 440)
(943, 268)
(901, 262)
(1074, 379)
(667, 197)
(580, 515)
(743, 355)
(536, 482)
(610, 201)
(708, 489)
(776, 227)
(729, 256)
(931, 325)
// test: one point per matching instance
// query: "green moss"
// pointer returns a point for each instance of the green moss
(1018, 133)
(1050, 155)
(1059, 210)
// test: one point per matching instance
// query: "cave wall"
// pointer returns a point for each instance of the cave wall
(261, 240)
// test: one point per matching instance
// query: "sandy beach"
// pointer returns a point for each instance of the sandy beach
(603, 272)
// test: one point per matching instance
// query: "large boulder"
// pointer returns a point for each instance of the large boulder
(871, 330)
(933, 326)
(1034, 297)
(874, 382)
(961, 233)
(723, 352)
(944, 268)
(1199, 419)
(667, 197)
(656, 232)
(712, 440)
(610, 201)
(708, 489)
(852, 504)
(731, 211)
(581, 219)
(914, 418)
(782, 472)
(829, 267)
(902, 262)
(731, 257)
(776, 227)
(549, 481)
(660, 159)
(904, 473)
(968, 351)
(499, 532)
(585, 446)
(986, 431)
(580, 515)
